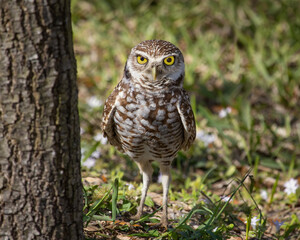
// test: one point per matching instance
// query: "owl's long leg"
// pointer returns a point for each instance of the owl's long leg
(147, 171)
(166, 178)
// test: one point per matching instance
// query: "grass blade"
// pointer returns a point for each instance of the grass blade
(115, 199)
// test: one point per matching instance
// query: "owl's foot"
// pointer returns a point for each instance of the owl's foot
(137, 216)
(164, 222)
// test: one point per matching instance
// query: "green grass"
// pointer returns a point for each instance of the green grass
(244, 55)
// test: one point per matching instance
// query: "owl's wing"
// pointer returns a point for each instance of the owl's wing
(108, 124)
(188, 120)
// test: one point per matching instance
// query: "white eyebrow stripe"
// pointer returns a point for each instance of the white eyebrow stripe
(160, 58)
(142, 54)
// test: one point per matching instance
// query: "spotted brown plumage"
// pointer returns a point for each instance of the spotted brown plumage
(148, 115)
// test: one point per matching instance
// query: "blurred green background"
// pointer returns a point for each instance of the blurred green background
(242, 71)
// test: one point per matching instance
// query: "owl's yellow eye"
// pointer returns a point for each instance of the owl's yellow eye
(141, 59)
(169, 60)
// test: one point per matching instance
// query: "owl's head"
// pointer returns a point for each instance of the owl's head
(154, 64)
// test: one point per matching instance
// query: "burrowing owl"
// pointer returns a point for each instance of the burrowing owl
(148, 116)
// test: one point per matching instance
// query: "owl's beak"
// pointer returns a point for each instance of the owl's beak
(154, 73)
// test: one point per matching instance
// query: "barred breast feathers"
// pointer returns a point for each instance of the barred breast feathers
(183, 107)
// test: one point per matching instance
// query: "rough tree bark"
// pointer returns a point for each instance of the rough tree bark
(40, 182)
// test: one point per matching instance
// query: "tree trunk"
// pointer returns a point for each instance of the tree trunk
(40, 181)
